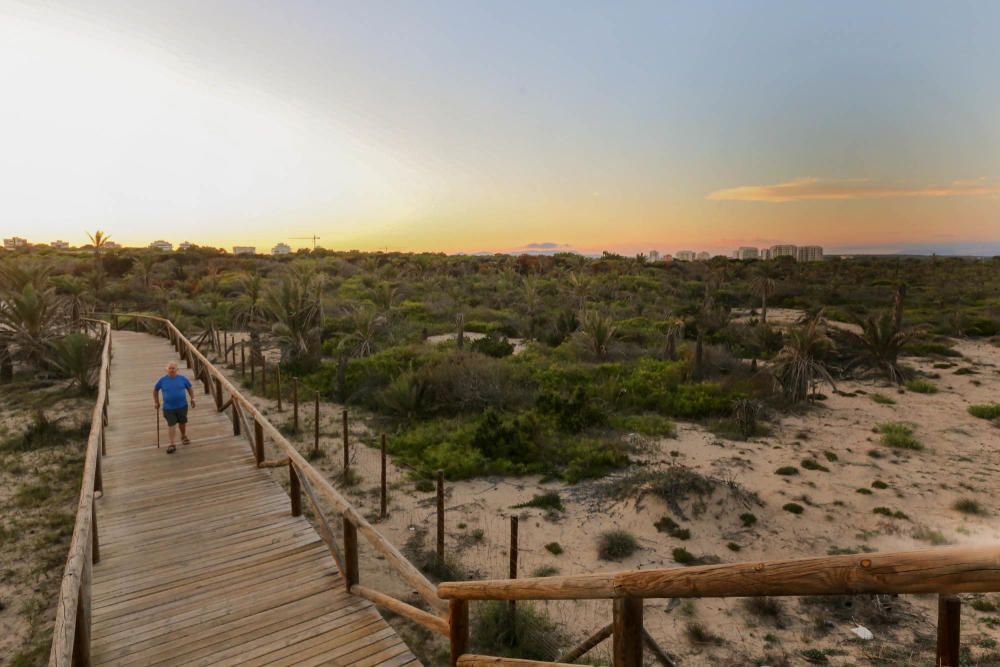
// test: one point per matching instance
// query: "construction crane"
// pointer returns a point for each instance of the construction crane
(306, 238)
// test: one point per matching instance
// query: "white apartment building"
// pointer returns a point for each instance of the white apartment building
(244, 250)
(746, 252)
(784, 251)
(685, 255)
(704, 256)
(185, 245)
(166, 246)
(281, 249)
(765, 253)
(111, 245)
(15, 242)
(61, 245)
(809, 253)
(654, 256)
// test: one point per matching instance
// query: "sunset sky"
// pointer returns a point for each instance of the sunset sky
(491, 126)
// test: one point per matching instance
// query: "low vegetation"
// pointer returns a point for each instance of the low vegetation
(899, 435)
(985, 411)
(616, 545)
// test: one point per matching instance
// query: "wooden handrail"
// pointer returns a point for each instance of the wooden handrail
(71, 632)
(959, 569)
(311, 479)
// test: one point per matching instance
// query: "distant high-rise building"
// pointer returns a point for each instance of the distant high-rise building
(185, 245)
(765, 253)
(15, 242)
(784, 251)
(166, 246)
(281, 249)
(703, 256)
(244, 250)
(685, 255)
(111, 245)
(746, 252)
(809, 253)
(62, 245)
(654, 256)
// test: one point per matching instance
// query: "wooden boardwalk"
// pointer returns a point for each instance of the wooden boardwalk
(201, 561)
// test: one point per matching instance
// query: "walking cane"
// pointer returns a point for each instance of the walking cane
(156, 414)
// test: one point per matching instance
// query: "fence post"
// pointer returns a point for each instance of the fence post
(627, 632)
(458, 625)
(258, 441)
(350, 554)
(277, 385)
(98, 477)
(204, 378)
(253, 371)
(440, 517)
(513, 565)
(347, 446)
(243, 359)
(295, 404)
(949, 627)
(316, 428)
(218, 395)
(383, 497)
(96, 543)
(295, 489)
(81, 635)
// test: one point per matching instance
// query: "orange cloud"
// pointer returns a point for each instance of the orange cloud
(809, 189)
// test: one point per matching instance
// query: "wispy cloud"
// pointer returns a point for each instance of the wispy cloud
(809, 188)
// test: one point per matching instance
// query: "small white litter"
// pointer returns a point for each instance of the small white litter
(863, 632)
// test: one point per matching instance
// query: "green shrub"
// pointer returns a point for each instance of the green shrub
(545, 571)
(864, 491)
(985, 411)
(787, 470)
(572, 414)
(830, 456)
(528, 634)
(748, 519)
(493, 346)
(554, 548)
(669, 526)
(931, 349)
(899, 435)
(646, 424)
(921, 386)
(683, 556)
(589, 458)
(969, 506)
(883, 399)
(983, 604)
(888, 512)
(616, 545)
(879, 484)
(794, 508)
(549, 500)
(732, 546)
(813, 464)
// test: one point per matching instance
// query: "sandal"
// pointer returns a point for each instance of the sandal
(186, 440)
(171, 449)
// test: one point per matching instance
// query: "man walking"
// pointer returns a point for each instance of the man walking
(175, 407)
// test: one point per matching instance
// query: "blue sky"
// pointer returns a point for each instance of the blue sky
(468, 126)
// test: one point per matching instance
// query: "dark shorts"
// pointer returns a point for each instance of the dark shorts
(176, 416)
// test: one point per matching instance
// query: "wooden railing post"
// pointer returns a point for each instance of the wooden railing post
(440, 517)
(236, 417)
(949, 627)
(81, 635)
(512, 571)
(218, 395)
(205, 378)
(458, 626)
(95, 546)
(350, 554)
(383, 496)
(258, 441)
(243, 359)
(295, 490)
(98, 477)
(627, 632)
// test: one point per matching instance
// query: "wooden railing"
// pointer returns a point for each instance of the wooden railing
(71, 632)
(305, 480)
(945, 571)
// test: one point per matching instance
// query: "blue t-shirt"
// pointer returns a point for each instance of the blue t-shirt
(173, 391)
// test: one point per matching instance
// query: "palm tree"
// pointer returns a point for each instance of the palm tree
(28, 321)
(675, 332)
(77, 356)
(99, 240)
(799, 363)
(296, 318)
(367, 325)
(75, 296)
(249, 312)
(880, 343)
(599, 330)
(763, 286)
